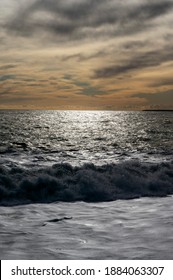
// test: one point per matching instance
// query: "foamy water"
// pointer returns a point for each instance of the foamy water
(135, 229)
(97, 160)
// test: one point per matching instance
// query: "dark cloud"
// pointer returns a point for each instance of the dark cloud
(28, 80)
(7, 77)
(163, 82)
(91, 91)
(134, 44)
(82, 57)
(137, 62)
(62, 96)
(88, 89)
(78, 19)
(5, 92)
(151, 10)
(7, 66)
(35, 85)
(164, 97)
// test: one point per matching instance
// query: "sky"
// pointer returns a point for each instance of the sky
(86, 54)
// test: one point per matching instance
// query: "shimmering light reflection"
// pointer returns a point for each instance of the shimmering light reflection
(46, 137)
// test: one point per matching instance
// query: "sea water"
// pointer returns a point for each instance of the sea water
(65, 177)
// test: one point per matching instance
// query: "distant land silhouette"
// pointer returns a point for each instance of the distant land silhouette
(158, 110)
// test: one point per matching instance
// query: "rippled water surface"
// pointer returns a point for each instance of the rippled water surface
(137, 229)
(45, 137)
(49, 159)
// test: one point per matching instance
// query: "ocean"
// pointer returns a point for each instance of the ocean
(86, 185)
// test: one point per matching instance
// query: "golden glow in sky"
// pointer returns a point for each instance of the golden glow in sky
(86, 54)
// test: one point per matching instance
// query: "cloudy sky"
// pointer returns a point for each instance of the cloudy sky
(86, 54)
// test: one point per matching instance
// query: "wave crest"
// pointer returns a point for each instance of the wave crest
(89, 183)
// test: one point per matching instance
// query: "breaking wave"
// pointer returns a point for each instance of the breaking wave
(89, 183)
